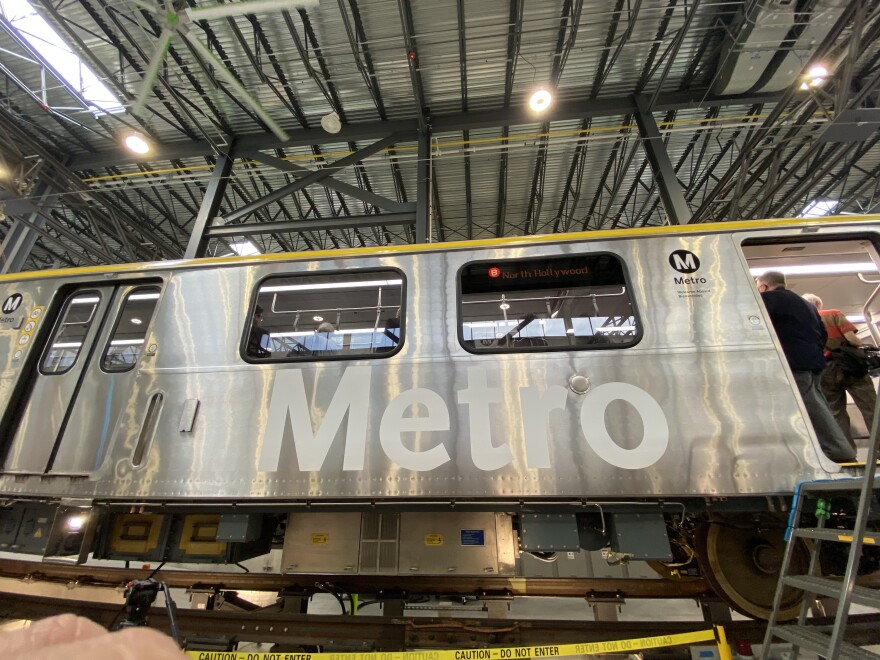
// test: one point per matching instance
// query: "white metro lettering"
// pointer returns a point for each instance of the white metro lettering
(477, 397)
(656, 434)
(314, 425)
(394, 424)
(289, 400)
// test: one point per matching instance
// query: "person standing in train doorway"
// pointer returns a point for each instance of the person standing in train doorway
(802, 336)
(837, 379)
(258, 337)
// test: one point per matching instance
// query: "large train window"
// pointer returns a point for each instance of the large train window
(127, 341)
(549, 303)
(67, 342)
(328, 316)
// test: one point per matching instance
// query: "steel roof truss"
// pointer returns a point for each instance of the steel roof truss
(298, 171)
(314, 177)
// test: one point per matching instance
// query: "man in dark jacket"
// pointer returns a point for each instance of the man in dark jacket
(802, 336)
(258, 338)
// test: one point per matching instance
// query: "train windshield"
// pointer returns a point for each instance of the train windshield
(549, 303)
(327, 316)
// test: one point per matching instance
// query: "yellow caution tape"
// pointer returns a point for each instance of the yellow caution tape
(512, 653)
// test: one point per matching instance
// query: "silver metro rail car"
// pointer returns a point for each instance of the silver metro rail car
(618, 390)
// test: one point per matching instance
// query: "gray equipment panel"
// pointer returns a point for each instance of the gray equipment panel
(548, 532)
(321, 543)
(642, 535)
(456, 544)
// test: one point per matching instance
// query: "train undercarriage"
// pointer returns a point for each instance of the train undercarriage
(395, 552)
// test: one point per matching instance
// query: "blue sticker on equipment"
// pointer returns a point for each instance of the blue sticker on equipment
(473, 537)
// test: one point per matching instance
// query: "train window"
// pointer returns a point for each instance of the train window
(70, 333)
(550, 303)
(318, 317)
(127, 340)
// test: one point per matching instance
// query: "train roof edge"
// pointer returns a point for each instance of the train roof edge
(731, 226)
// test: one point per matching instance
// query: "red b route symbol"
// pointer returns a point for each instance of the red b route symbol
(494, 271)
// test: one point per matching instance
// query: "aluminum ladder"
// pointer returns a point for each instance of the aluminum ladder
(828, 643)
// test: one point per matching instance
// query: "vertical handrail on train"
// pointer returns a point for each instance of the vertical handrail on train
(872, 327)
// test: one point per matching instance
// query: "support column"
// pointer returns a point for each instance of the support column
(198, 239)
(670, 189)
(423, 193)
(20, 240)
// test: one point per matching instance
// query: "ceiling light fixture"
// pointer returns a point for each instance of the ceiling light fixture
(137, 143)
(317, 319)
(504, 306)
(330, 123)
(540, 100)
(331, 285)
(815, 77)
(818, 269)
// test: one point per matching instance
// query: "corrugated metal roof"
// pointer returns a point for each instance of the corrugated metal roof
(368, 60)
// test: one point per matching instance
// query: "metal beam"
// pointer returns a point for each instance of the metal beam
(198, 240)
(343, 222)
(423, 196)
(64, 232)
(20, 240)
(513, 116)
(314, 177)
(664, 174)
(772, 122)
(367, 196)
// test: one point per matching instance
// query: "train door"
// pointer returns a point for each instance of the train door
(83, 379)
(840, 272)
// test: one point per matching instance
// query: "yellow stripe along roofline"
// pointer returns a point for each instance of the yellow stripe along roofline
(512, 241)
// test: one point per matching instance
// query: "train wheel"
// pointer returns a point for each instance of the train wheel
(741, 558)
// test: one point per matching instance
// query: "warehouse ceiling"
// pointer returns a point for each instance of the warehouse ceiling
(291, 126)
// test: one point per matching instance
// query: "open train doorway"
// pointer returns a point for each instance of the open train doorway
(844, 274)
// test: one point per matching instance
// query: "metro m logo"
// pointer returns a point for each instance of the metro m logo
(684, 261)
(12, 303)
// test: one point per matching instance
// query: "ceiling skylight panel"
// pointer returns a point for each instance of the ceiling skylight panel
(45, 41)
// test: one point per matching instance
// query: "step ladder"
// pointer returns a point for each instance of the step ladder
(828, 642)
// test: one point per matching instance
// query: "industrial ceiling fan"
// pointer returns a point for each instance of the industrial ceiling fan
(177, 18)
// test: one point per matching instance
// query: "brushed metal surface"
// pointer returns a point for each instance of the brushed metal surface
(735, 423)
(94, 413)
(435, 544)
(42, 419)
(321, 543)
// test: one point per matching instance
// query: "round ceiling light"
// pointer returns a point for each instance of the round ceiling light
(137, 143)
(540, 100)
(818, 71)
(815, 77)
(330, 123)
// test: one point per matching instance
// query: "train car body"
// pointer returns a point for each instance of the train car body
(660, 382)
